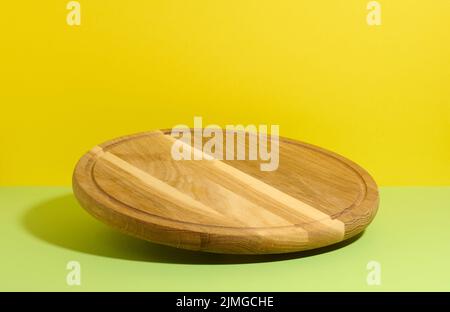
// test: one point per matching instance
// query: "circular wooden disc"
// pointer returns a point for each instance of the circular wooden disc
(314, 198)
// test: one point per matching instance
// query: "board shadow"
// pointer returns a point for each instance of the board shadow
(62, 222)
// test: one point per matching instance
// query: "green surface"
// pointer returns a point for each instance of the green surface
(42, 228)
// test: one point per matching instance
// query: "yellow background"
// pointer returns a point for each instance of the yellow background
(378, 95)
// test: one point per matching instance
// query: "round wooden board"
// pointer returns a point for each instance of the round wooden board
(314, 198)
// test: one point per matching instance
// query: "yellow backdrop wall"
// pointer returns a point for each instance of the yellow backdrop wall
(379, 95)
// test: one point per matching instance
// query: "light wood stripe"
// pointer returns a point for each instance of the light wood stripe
(191, 206)
(267, 191)
(159, 186)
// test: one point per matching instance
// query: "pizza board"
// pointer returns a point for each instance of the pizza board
(313, 199)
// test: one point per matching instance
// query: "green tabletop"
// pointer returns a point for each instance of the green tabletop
(44, 228)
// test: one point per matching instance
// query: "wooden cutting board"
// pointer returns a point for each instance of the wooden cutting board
(315, 197)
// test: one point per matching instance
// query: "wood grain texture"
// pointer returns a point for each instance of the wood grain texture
(315, 197)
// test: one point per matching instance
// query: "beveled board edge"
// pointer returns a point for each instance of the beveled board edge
(198, 237)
